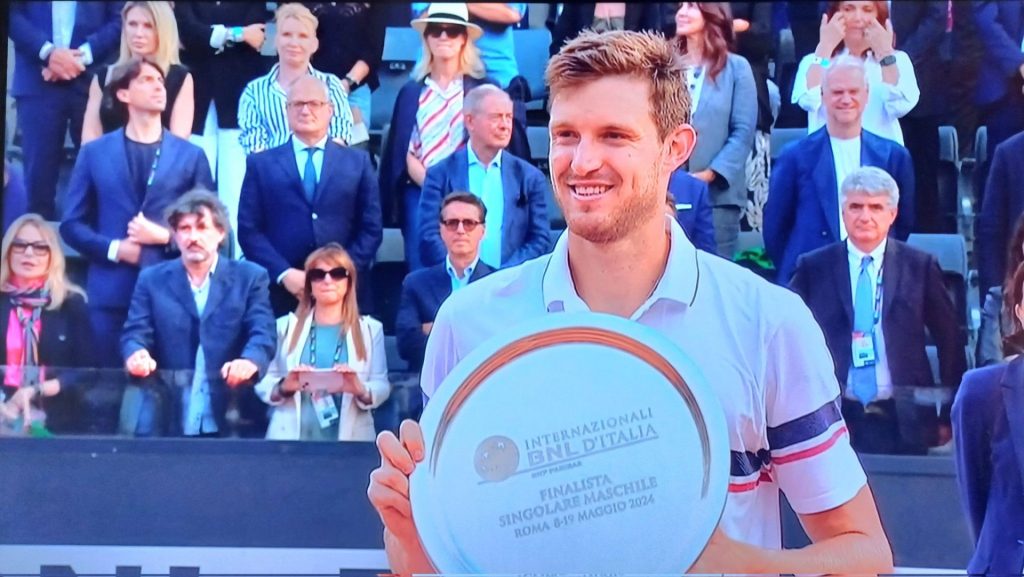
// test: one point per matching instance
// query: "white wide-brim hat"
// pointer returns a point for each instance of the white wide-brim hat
(448, 13)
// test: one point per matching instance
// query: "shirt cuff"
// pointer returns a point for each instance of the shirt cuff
(280, 277)
(219, 36)
(86, 54)
(112, 250)
(45, 51)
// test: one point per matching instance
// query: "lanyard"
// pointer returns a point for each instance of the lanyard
(878, 296)
(156, 162)
(312, 345)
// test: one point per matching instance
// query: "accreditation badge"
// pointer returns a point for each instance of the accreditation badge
(573, 443)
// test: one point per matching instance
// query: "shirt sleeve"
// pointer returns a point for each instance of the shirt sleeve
(441, 354)
(810, 446)
(341, 122)
(253, 135)
(808, 99)
(900, 98)
(415, 144)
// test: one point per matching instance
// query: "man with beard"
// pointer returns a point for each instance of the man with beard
(203, 325)
(620, 127)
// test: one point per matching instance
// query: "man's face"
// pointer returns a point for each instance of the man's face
(198, 237)
(609, 169)
(146, 92)
(460, 241)
(868, 218)
(309, 109)
(491, 124)
(296, 42)
(844, 95)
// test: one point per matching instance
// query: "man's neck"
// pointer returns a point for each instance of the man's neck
(618, 277)
(461, 262)
(310, 139)
(443, 72)
(144, 127)
(327, 315)
(844, 132)
(866, 248)
(485, 154)
(198, 271)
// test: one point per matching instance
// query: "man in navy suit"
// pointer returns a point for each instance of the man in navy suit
(304, 194)
(688, 196)
(119, 188)
(802, 212)
(874, 297)
(57, 47)
(513, 190)
(462, 226)
(202, 324)
(1002, 204)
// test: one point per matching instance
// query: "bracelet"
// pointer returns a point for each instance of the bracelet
(236, 34)
(888, 60)
(823, 62)
(352, 82)
(281, 392)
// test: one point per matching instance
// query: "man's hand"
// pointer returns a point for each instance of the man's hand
(144, 231)
(427, 327)
(238, 371)
(830, 34)
(254, 35)
(66, 63)
(724, 554)
(740, 25)
(880, 38)
(128, 251)
(48, 75)
(389, 494)
(140, 364)
(707, 175)
(294, 281)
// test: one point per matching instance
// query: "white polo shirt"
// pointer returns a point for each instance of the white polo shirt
(756, 343)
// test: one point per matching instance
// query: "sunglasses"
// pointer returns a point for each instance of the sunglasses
(436, 30)
(319, 274)
(452, 224)
(21, 247)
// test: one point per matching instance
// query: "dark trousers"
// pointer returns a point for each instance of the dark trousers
(44, 120)
(921, 135)
(1003, 119)
(101, 402)
(894, 426)
(411, 226)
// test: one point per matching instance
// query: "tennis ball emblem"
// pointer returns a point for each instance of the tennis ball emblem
(496, 458)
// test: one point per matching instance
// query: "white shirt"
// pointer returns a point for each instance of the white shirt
(846, 159)
(695, 84)
(882, 376)
(886, 103)
(757, 343)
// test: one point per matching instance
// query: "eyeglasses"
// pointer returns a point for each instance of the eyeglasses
(452, 224)
(319, 274)
(314, 105)
(21, 247)
(436, 30)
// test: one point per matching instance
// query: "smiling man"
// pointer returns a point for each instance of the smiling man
(203, 325)
(620, 127)
(802, 212)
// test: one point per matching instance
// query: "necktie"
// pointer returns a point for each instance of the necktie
(309, 175)
(865, 387)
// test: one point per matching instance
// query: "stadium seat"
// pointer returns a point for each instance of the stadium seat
(951, 252)
(402, 47)
(532, 58)
(780, 137)
(948, 179)
(389, 269)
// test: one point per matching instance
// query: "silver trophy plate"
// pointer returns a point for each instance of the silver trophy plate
(573, 443)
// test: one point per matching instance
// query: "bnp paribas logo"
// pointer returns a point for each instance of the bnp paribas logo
(496, 459)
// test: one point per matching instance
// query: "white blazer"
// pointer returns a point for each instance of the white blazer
(356, 420)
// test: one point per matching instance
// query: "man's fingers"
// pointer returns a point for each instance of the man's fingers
(393, 453)
(390, 479)
(412, 438)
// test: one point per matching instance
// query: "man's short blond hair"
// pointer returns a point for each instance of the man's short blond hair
(298, 12)
(644, 55)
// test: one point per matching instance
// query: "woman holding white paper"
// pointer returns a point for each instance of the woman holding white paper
(330, 370)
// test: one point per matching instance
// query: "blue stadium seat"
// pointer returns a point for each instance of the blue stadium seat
(780, 137)
(402, 47)
(951, 252)
(532, 57)
(951, 205)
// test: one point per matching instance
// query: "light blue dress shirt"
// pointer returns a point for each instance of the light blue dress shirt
(63, 16)
(457, 282)
(198, 414)
(318, 156)
(485, 182)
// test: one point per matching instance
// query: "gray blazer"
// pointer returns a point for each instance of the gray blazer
(723, 146)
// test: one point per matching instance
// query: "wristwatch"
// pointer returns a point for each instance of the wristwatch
(352, 84)
(888, 60)
(823, 62)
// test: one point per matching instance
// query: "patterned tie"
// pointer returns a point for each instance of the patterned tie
(863, 378)
(309, 175)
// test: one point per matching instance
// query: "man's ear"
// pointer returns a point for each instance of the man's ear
(122, 95)
(679, 146)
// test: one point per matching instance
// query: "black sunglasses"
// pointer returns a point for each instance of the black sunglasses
(452, 224)
(435, 30)
(318, 274)
(22, 246)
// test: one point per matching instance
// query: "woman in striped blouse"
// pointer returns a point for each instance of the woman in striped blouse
(262, 117)
(427, 125)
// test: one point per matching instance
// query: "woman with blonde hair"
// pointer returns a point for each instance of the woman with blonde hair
(44, 324)
(330, 370)
(148, 30)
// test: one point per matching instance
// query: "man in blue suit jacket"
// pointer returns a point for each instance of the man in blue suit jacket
(119, 188)
(57, 47)
(201, 323)
(988, 432)
(802, 212)
(689, 198)
(462, 227)
(286, 212)
(1002, 205)
(513, 190)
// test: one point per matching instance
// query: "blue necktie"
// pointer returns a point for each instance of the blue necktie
(863, 380)
(309, 175)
